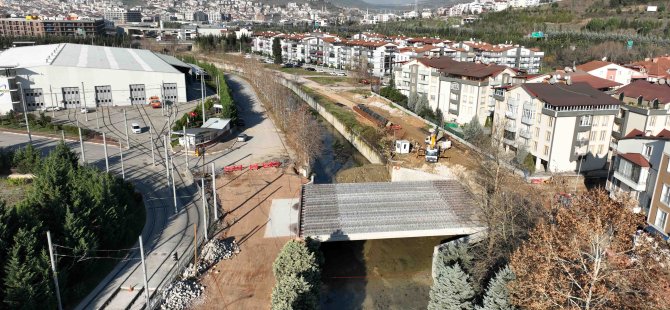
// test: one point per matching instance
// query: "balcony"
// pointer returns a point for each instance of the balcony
(582, 141)
(511, 127)
(510, 114)
(581, 151)
(510, 142)
(637, 185)
(616, 135)
(525, 134)
(528, 120)
(618, 120)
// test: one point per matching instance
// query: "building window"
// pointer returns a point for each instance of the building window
(547, 136)
(585, 120)
(537, 132)
(602, 135)
(600, 149)
(652, 121)
(661, 219)
(596, 120)
(646, 150)
(629, 170)
(546, 150)
(550, 121)
(534, 146)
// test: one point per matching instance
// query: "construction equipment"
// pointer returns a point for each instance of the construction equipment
(432, 151)
(155, 102)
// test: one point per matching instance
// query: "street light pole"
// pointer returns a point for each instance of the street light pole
(25, 111)
(83, 94)
(216, 212)
(174, 188)
(104, 142)
(144, 270)
(202, 93)
(153, 154)
(53, 268)
(125, 121)
(204, 207)
(81, 144)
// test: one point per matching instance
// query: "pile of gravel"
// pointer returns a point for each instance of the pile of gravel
(180, 294)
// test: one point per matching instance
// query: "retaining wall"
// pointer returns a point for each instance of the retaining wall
(361, 145)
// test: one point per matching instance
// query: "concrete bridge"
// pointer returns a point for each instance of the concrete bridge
(363, 211)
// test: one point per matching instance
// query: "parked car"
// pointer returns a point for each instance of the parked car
(84, 110)
(240, 122)
(332, 73)
(247, 56)
(341, 74)
(310, 69)
(287, 66)
(136, 128)
(49, 109)
(242, 137)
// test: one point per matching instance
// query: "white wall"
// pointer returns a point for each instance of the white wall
(561, 146)
(119, 80)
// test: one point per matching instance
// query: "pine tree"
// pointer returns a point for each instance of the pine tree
(27, 160)
(298, 276)
(451, 289)
(26, 283)
(276, 51)
(77, 235)
(412, 101)
(497, 294)
(421, 104)
(473, 130)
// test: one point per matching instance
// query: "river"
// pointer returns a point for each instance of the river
(374, 274)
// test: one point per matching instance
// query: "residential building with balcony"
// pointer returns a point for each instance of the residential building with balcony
(645, 107)
(460, 89)
(40, 28)
(564, 127)
(640, 171)
(513, 56)
(609, 71)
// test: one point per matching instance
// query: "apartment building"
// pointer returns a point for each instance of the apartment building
(514, 56)
(610, 71)
(123, 16)
(460, 89)
(565, 127)
(641, 171)
(644, 107)
(39, 28)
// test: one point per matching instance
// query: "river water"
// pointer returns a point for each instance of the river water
(374, 274)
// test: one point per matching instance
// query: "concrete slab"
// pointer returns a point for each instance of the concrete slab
(283, 221)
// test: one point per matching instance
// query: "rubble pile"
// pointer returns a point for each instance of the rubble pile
(180, 294)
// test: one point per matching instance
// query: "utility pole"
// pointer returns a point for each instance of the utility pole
(125, 121)
(174, 187)
(83, 94)
(167, 170)
(25, 111)
(216, 212)
(144, 270)
(185, 147)
(81, 144)
(104, 142)
(53, 268)
(153, 155)
(218, 91)
(204, 207)
(202, 98)
(123, 172)
(62, 135)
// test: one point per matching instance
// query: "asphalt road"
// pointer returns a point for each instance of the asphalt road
(165, 231)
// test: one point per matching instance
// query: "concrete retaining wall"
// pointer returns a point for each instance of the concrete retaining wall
(362, 146)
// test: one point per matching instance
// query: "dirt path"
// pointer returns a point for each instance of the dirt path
(246, 281)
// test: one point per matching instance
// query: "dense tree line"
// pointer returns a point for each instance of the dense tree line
(289, 113)
(297, 271)
(85, 210)
(229, 110)
(227, 43)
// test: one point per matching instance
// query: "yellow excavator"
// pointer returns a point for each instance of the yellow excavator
(432, 150)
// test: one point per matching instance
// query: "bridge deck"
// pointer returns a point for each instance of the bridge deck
(359, 211)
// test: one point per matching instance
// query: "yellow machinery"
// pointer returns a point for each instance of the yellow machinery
(432, 151)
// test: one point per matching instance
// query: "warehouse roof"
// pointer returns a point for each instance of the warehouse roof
(85, 56)
(359, 211)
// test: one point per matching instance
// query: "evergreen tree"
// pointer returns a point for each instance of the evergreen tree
(421, 104)
(451, 289)
(439, 117)
(27, 159)
(26, 283)
(456, 252)
(276, 51)
(412, 101)
(473, 130)
(497, 294)
(298, 276)
(77, 235)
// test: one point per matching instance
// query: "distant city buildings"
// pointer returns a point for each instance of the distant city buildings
(39, 28)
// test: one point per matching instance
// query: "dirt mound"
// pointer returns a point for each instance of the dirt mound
(365, 173)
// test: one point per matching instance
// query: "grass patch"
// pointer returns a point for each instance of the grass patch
(364, 92)
(298, 71)
(13, 191)
(330, 80)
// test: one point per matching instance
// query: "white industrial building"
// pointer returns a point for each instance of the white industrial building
(74, 75)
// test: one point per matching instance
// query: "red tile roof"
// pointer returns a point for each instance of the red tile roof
(592, 80)
(592, 65)
(636, 158)
(635, 133)
(657, 67)
(648, 91)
